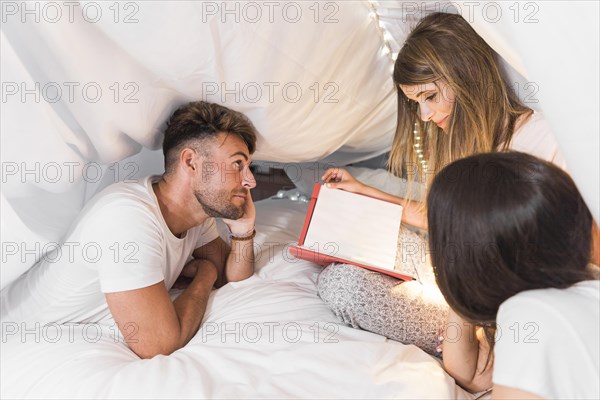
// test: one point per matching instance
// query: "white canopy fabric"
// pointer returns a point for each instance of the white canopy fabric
(87, 87)
(555, 45)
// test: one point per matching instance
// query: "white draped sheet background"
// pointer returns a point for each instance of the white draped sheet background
(317, 85)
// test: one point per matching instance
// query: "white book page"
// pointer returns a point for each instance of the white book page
(355, 227)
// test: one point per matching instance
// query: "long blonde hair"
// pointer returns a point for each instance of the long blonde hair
(444, 47)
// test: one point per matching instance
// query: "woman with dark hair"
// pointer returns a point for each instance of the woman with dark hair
(453, 101)
(510, 236)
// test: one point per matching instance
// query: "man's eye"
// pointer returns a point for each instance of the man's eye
(237, 164)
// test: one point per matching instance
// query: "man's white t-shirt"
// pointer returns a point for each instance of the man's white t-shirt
(548, 342)
(120, 241)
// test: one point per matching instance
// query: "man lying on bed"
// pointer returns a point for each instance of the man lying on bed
(133, 240)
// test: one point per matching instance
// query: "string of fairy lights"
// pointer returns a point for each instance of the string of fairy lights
(386, 36)
(387, 50)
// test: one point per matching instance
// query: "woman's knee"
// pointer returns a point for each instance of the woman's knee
(353, 293)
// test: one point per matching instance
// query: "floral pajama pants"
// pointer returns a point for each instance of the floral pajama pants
(410, 312)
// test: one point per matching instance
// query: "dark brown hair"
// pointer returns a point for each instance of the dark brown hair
(502, 223)
(445, 48)
(193, 123)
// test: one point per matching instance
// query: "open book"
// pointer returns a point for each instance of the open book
(351, 228)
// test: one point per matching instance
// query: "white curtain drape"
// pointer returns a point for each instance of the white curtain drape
(87, 86)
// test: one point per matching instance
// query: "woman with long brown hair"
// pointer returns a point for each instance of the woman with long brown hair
(453, 102)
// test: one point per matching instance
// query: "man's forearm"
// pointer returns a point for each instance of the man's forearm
(240, 262)
(191, 304)
(162, 326)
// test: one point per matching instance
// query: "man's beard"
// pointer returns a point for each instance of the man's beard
(218, 204)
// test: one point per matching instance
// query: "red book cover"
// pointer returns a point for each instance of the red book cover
(324, 255)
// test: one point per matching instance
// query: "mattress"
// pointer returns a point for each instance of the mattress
(269, 336)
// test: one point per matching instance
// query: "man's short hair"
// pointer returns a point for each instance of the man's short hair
(195, 122)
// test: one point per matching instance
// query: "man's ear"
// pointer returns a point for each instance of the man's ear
(188, 160)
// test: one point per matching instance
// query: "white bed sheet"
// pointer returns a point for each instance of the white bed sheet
(269, 336)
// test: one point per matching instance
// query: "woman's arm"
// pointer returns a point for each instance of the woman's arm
(337, 178)
(465, 354)
(595, 244)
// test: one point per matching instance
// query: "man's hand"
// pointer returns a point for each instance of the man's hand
(245, 224)
(233, 263)
(189, 271)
